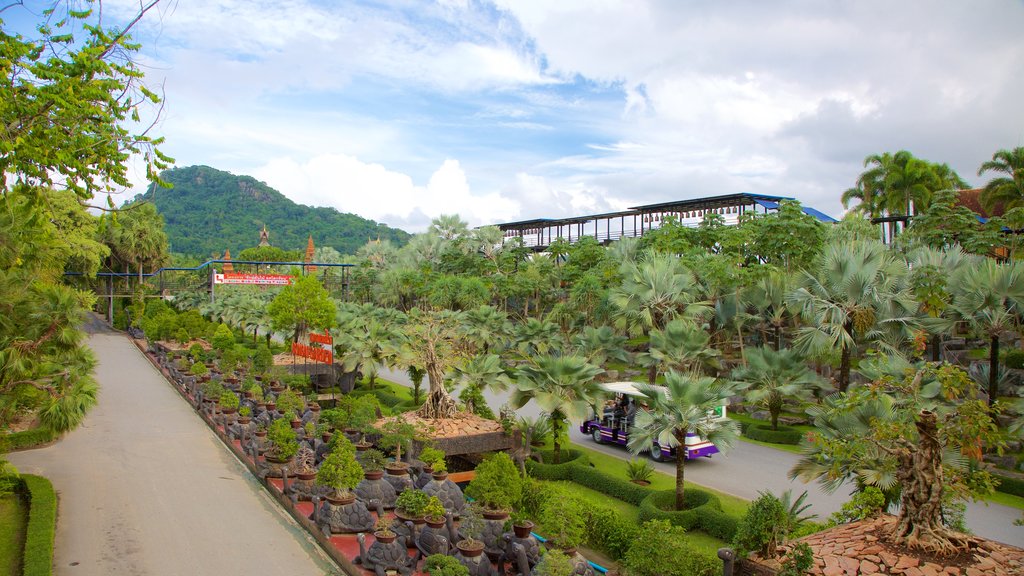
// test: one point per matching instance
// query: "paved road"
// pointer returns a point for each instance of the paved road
(750, 468)
(146, 488)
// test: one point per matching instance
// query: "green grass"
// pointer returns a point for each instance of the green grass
(746, 419)
(13, 522)
(1006, 500)
(732, 505)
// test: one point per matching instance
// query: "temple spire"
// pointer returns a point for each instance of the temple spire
(309, 255)
(264, 236)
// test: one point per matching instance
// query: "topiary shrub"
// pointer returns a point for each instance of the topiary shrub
(497, 484)
(37, 559)
(289, 401)
(340, 471)
(605, 483)
(228, 400)
(199, 369)
(662, 549)
(703, 512)
(560, 471)
(282, 436)
(1009, 485)
(223, 339)
(763, 528)
(764, 433)
(263, 359)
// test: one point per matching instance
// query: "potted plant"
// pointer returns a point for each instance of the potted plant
(434, 512)
(292, 420)
(564, 523)
(373, 462)
(520, 524)
(228, 402)
(444, 565)
(440, 470)
(382, 531)
(471, 528)
(244, 415)
(431, 457)
(261, 430)
(340, 471)
(200, 371)
(394, 435)
(282, 437)
(555, 563)
(289, 401)
(497, 486)
(411, 505)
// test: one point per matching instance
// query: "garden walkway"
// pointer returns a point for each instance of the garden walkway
(146, 487)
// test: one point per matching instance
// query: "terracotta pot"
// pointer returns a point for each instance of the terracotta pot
(271, 406)
(306, 476)
(244, 419)
(401, 515)
(439, 476)
(261, 433)
(296, 424)
(326, 436)
(362, 446)
(314, 407)
(397, 469)
(435, 522)
(348, 499)
(385, 539)
(470, 549)
(523, 530)
(373, 474)
(247, 394)
(495, 514)
(228, 410)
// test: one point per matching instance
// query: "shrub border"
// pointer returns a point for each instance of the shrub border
(37, 555)
(28, 439)
(1008, 485)
(764, 433)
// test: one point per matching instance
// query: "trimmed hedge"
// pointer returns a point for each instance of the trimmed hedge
(37, 559)
(1009, 485)
(28, 438)
(570, 459)
(764, 433)
(606, 484)
(703, 512)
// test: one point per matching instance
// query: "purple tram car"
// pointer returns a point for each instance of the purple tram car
(612, 425)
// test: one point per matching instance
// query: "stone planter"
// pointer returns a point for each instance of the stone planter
(344, 516)
(274, 467)
(399, 479)
(448, 493)
(435, 537)
(374, 487)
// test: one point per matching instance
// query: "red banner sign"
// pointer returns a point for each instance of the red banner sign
(324, 338)
(324, 355)
(253, 279)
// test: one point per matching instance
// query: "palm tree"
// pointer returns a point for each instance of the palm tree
(930, 272)
(990, 298)
(768, 299)
(537, 337)
(487, 328)
(681, 346)
(1007, 190)
(482, 372)
(599, 345)
(771, 377)
(375, 346)
(857, 291)
(563, 388)
(680, 407)
(655, 291)
(449, 226)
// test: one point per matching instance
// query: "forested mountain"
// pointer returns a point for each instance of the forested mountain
(208, 211)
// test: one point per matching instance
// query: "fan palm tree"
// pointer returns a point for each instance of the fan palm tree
(599, 345)
(930, 273)
(482, 372)
(563, 388)
(771, 377)
(768, 299)
(682, 406)
(990, 298)
(681, 346)
(1007, 190)
(655, 291)
(536, 337)
(487, 328)
(857, 292)
(449, 226)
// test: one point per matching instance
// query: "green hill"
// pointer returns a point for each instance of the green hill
(208, 211)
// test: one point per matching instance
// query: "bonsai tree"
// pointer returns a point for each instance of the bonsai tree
(373, 460)
(223, 339)
(181, 336)
(394, 435)
(196, 352)
(228, 401)
(212, 390)
(263, 359)
(199, 369)
(412, 503)
(282, 437)
(563, 522)
(340, 470)
(497, 485)
(383, 528)
(555, 563)
(444, 565)
(245, 412)
(432, 457)
(289, 401)
(434, 510)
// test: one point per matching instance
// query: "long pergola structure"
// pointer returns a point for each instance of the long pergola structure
(539, 233)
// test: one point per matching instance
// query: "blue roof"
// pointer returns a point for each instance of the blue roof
(807, 210)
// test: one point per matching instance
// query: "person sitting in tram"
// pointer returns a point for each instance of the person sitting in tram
(608, 415)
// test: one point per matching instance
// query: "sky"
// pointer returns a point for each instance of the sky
(504, 110)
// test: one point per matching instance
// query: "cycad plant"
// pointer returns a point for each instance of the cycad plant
(771, 377)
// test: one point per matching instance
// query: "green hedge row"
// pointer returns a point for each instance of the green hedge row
(27, 438)
(619, 488)
(764, 433)
(561, 471)
(1009, 485)
(42, 524)
(703, 512)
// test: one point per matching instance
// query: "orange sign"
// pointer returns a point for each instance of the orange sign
(253, 279)
(324, 355)
(324, 338)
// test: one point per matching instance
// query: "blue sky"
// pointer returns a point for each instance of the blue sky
(504, 110)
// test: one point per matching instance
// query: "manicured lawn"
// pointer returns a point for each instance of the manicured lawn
(1006, 500)
(13, 520)
(746, 419)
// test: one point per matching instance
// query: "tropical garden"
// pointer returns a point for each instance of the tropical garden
(895, 366)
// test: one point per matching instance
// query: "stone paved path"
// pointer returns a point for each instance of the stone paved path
(146, 488)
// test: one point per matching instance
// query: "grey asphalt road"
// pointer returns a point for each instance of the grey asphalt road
(145, 487)
(750, 468)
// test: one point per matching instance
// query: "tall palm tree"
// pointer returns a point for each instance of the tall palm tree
(930, 273)
(482, 372)
(681, 346)
(599, 345)
(655, 291)
(449, 226)
(771, 377)
(682, 406)
(858, 290)
(563, 387)
(487, 328)
(899, 183)
(768, 299)
(1007, 190)
(990, 298)
(537, 337)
